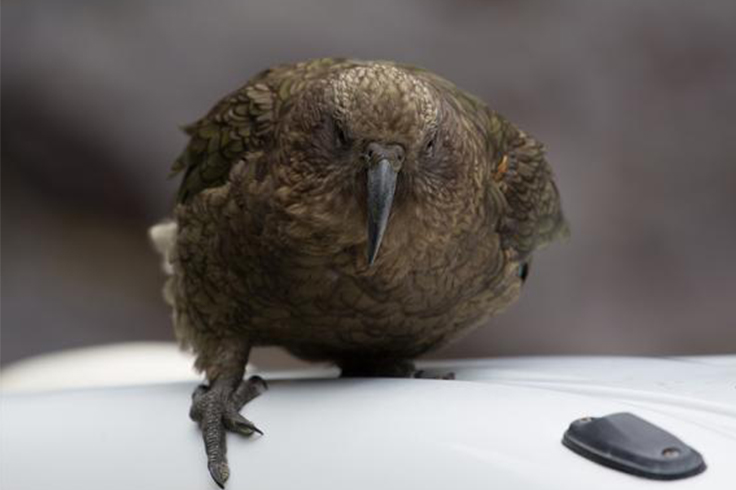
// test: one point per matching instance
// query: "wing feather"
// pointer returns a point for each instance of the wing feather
(533, 215)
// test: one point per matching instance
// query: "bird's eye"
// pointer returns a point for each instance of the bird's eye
(524, 271)
(430, 145)
(341, 138)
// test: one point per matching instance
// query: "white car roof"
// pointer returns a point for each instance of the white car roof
(499, 425)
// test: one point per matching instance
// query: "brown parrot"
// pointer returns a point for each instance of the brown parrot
(356, 212)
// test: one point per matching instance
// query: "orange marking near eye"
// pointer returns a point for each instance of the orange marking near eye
(502, 168)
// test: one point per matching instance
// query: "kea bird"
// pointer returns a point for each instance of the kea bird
(356, 212)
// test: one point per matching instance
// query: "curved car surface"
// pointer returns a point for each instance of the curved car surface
(499, 424)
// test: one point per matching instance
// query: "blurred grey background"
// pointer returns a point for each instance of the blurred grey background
(636, 102)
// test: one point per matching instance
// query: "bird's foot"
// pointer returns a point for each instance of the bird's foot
(216, 408)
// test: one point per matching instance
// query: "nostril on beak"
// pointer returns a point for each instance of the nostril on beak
(374, 151)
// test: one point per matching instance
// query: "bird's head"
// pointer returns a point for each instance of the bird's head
(383, 136)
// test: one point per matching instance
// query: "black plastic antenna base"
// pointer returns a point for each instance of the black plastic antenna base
(627, 443)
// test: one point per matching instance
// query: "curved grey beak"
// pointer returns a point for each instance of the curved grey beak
(381, 188)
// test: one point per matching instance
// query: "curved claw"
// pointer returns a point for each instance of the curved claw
(219, 471)
(237, 423)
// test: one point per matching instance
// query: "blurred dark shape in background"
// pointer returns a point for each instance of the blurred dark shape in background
(636, 102)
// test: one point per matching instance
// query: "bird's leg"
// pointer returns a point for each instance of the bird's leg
(216, 408)
(393, 368)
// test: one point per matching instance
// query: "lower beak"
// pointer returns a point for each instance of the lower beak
(381, 188)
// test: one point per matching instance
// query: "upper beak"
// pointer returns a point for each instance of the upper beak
(381, 188)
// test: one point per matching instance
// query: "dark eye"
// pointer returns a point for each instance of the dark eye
(430, 146)
(524, 271)
(341, 137)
